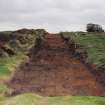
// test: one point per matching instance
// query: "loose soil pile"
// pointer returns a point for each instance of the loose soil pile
(53, 71)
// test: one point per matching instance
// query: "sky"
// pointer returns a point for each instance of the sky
(52, 15)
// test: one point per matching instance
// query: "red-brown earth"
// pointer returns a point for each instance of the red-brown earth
(53, 71)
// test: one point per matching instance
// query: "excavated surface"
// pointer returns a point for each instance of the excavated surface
(53, 71)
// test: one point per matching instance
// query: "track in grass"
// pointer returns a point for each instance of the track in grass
(53, 71)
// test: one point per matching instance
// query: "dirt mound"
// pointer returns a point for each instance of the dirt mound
(53, 71)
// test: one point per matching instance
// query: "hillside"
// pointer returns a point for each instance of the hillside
(58, 65)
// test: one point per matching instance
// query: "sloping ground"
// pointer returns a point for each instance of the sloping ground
(53, 71)
(32, 99)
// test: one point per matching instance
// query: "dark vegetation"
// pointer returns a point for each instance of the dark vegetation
(94, 28)
(17, 41)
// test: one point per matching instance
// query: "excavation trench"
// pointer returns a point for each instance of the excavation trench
(53, 71)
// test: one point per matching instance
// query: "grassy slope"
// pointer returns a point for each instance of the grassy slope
(7, 65)
(7, 68)
(93, 42)
(32, 99)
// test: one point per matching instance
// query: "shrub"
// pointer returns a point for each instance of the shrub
(5, 36)
(94, 28)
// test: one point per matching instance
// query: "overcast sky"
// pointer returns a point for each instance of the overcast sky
(53, 15)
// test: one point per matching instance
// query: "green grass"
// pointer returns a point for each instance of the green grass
(32, 99)
(3, 89)
(4, 70)
(93, 42)
(7, 65)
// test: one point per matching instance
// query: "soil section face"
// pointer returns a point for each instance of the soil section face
(53, 71)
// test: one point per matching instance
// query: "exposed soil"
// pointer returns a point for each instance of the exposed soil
(53, 71)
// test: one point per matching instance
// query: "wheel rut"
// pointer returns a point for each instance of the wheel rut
(53, 71)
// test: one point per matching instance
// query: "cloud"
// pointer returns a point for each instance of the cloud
(54, 15)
